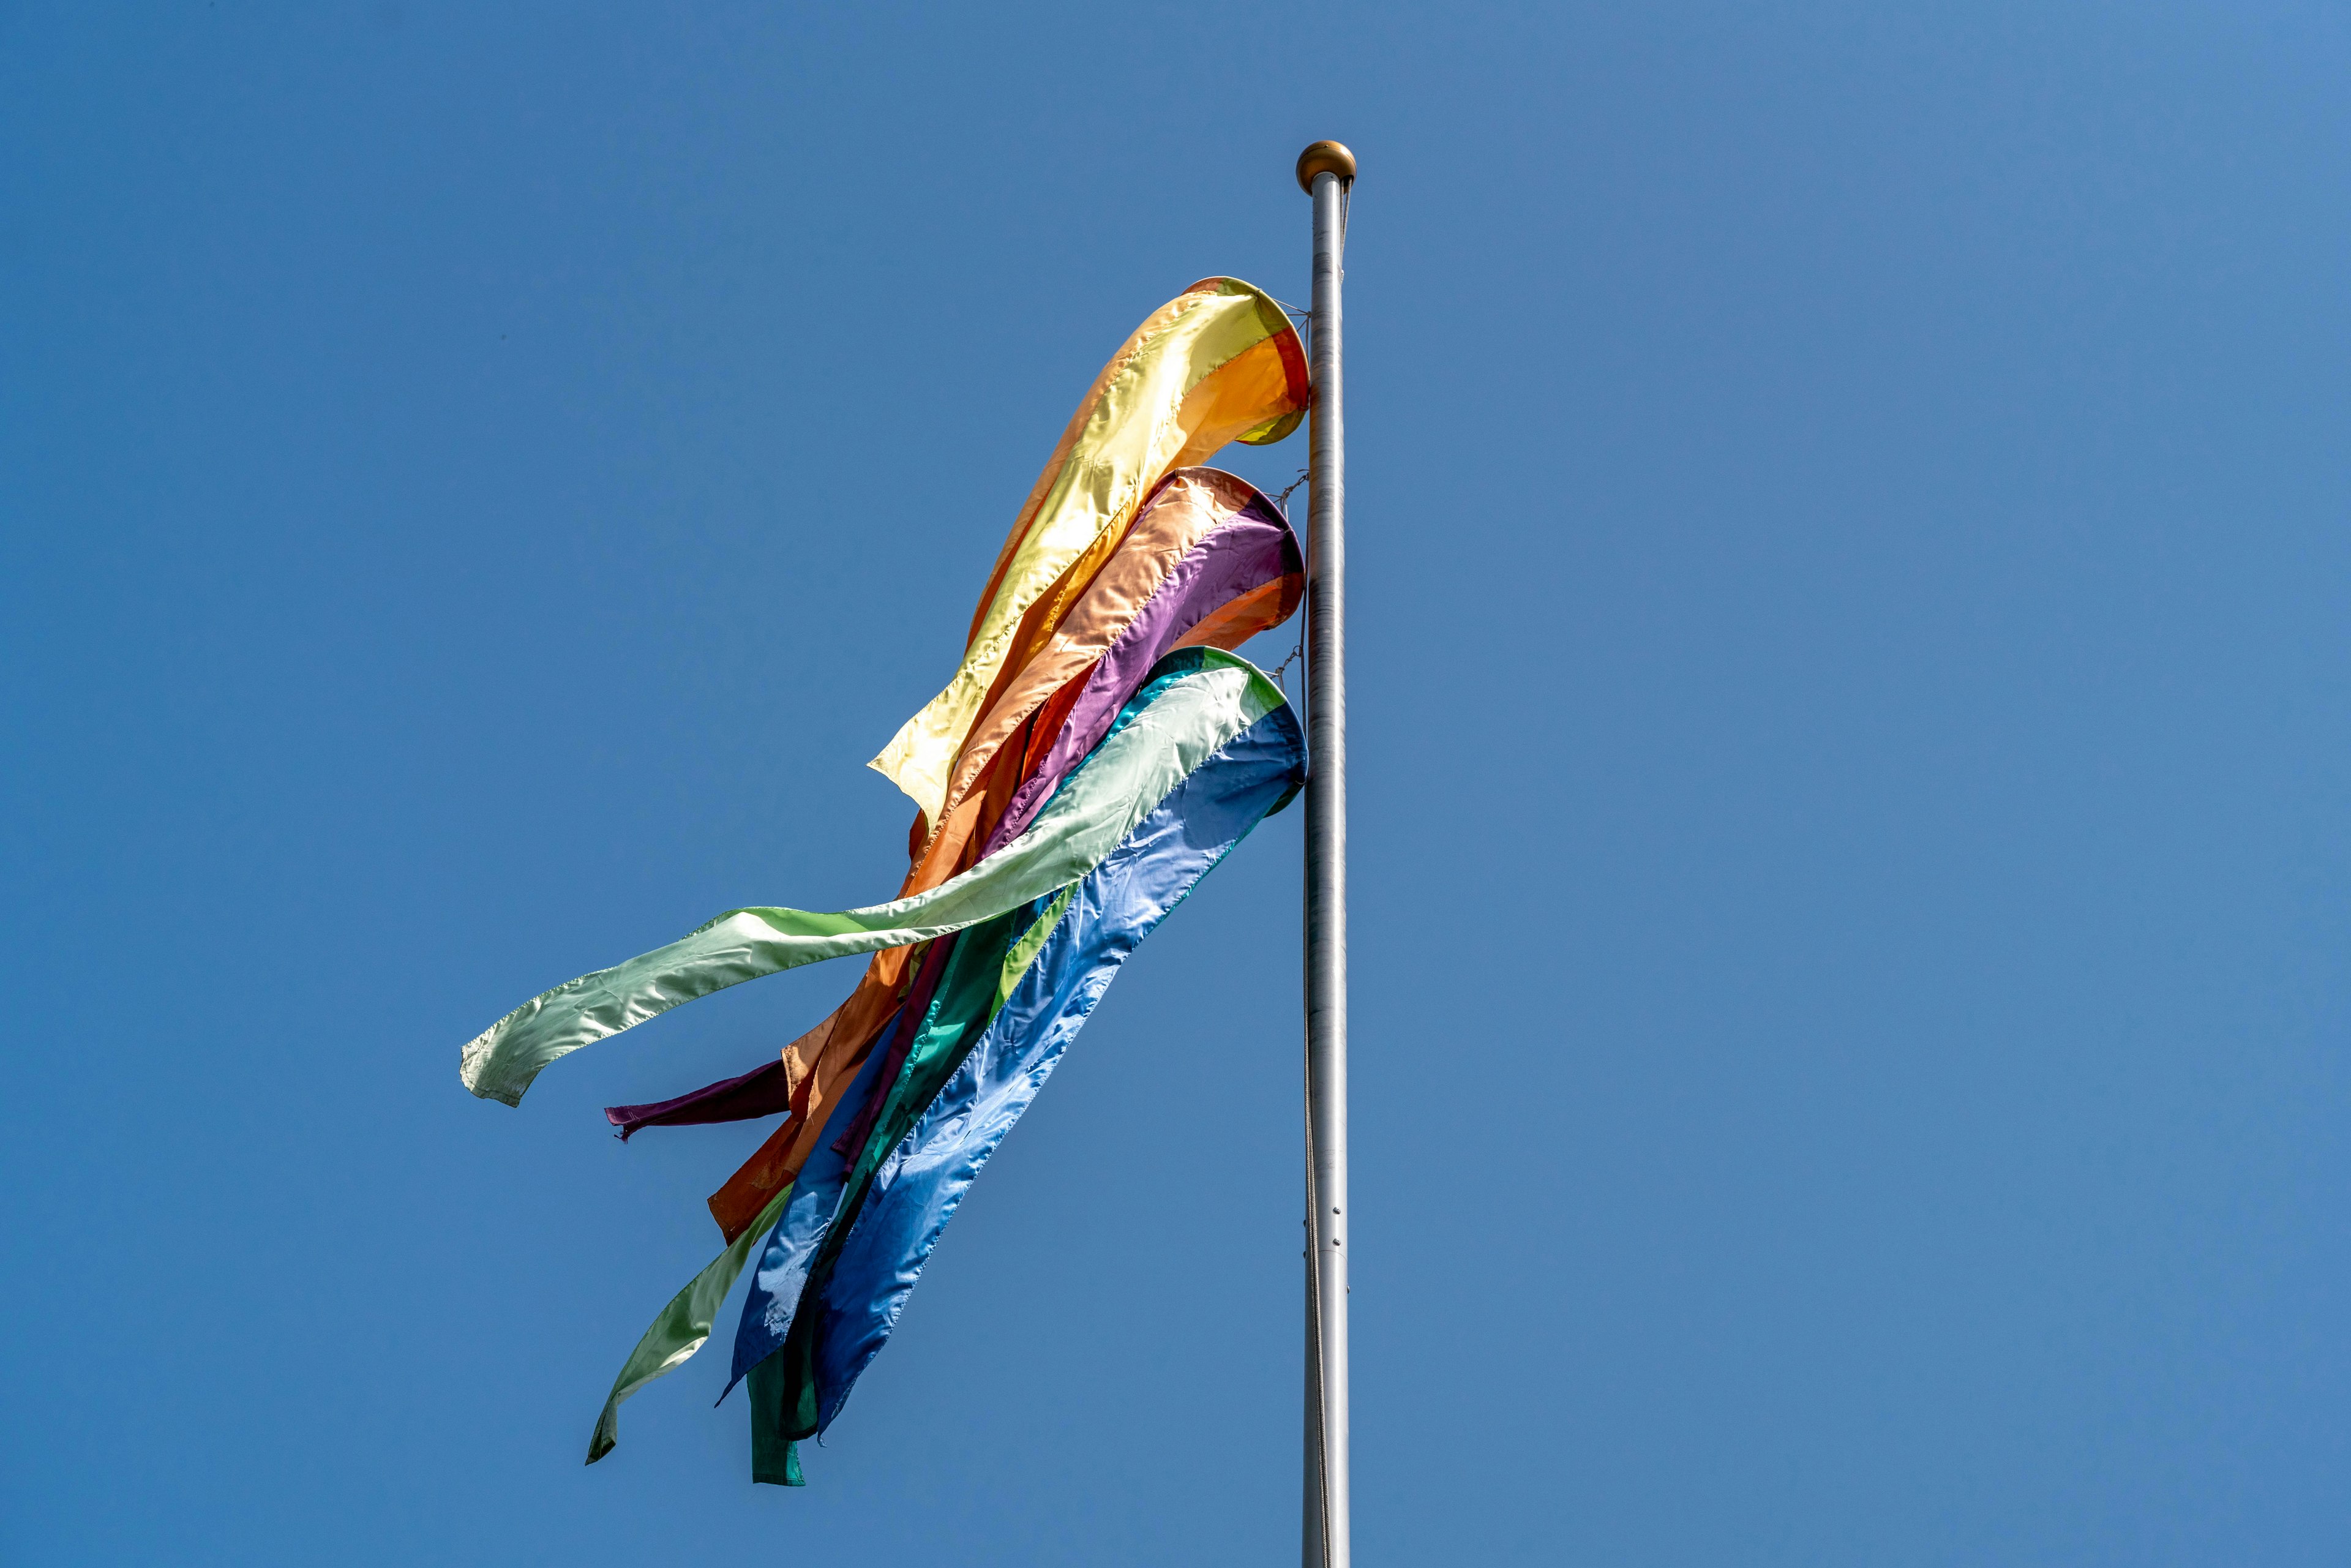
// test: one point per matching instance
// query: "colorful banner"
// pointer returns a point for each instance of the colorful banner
(1098, 749)
(916, 1187)
(1219, 362)
(1210, 561)
(1099, 806)
(1126, 895)
(683, 1328)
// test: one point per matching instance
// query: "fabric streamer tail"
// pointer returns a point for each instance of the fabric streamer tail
(1097, 750)
(1073, 947)
(1099, 924)
(683, 1328)
(1098, 807)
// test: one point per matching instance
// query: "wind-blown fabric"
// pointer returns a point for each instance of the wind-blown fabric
(1217, 363)
(765, 1090)
(1203, 541)
(1097, 749)
(1247, 551)
(1212, 809)
(1209, 563)
(1254, 767)
(834, 1177)
(1084, 821)
(1096, 925)
(683, 1328)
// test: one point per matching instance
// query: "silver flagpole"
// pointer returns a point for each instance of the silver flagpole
(1327, 171)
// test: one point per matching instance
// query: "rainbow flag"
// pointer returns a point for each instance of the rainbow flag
(1098, 749)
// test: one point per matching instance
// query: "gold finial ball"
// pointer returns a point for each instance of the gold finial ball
(1325, 157)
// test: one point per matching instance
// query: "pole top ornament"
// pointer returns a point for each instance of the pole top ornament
(1325, 157)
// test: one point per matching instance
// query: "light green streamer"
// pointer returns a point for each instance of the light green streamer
(1194, 717)
(1024, 952)
(684, 1326)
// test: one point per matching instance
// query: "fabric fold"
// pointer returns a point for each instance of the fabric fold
(1086, 819)
(916, 1187)
(801, 1236)
(1252, 775)
(765, 1090)
(1209, 563)
(1217, 363)
(1249, 548)
(682, 1329)
(1097, 749)
(1203, 538)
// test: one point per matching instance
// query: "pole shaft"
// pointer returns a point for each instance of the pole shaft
(1327, 1533)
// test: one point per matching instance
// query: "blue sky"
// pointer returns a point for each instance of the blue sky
(1849, 731)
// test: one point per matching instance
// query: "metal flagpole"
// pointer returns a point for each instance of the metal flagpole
(1327, 171)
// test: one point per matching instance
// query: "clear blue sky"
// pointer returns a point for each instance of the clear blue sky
(1851, 759)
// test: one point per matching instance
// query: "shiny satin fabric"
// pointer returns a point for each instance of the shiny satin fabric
(1251, 772)
(762, 1091)
(684, 1326)
(1219, 362)
(1210, 561)
(1250, 549)
(682, 1329)
(1204, 538)
(1124, 550)
(823, 1194)
(901, 1036)
(1103, 800)
(918, 1184)
(1253, 775)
